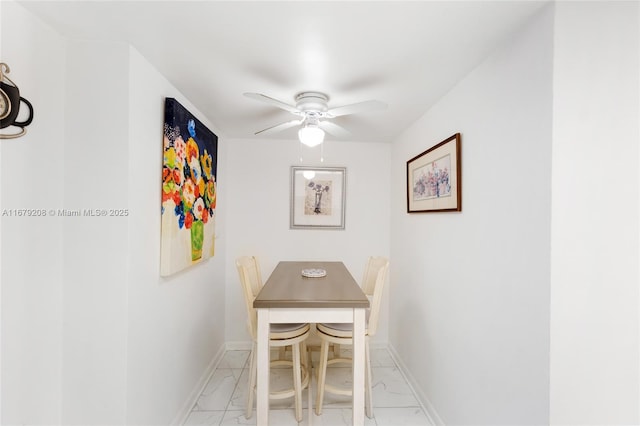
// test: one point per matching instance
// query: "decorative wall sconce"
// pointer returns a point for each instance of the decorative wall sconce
(10, 105)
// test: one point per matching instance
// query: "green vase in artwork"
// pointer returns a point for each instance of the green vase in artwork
(197, 237)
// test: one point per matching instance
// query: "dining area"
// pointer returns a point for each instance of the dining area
(310, 361)
(304, 294)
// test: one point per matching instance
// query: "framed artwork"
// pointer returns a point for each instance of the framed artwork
(189, 169)
(317, 197)
(434, 178)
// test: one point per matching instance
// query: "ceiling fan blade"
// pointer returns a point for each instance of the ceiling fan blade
(263, 98)
(334, 129)
(355, 108)
(280, 127)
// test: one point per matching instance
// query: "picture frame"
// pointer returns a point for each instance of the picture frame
(318, 197)
(434, 178)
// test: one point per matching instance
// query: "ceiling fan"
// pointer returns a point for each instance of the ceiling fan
(314, 115)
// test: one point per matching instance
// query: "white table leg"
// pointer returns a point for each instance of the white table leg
(358, 367)
(310, 372)
(262, 351)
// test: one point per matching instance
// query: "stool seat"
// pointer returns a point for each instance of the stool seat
(341, 329)
(286, 331)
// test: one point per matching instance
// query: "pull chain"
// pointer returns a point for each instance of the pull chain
(321, 153)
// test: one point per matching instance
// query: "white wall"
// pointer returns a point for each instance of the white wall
(175, 324)
(31, 172)
(90, 333)
(470, 290)
(594, 245)
(95, 248)
(258, 188)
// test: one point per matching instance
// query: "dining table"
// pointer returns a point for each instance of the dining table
(325, 293)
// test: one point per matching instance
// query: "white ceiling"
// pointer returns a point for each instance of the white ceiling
(406, 54)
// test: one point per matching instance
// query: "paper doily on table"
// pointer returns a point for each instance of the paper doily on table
(314, 273)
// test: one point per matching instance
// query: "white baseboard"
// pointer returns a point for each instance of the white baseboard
(182, 415)
(431, 413)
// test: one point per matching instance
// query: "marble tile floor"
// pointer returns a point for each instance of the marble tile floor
(223, 399)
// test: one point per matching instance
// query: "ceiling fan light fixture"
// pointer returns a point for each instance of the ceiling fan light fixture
(312, 111)
(311, 135)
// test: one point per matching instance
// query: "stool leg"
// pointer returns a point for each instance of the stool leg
(297, 381)
(322, 374)
(367, 379)
(303, 351)
(251, 381)
(307, 354)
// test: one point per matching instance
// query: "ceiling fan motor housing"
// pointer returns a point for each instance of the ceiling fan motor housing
(312, 102)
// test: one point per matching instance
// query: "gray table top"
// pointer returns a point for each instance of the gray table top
(287, 288)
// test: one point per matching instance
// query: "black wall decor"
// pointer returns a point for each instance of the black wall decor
(10, 100)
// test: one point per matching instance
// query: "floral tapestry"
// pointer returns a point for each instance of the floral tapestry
(188, 190)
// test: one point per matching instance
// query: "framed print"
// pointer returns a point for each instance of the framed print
(434, 178)
(317, 197)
